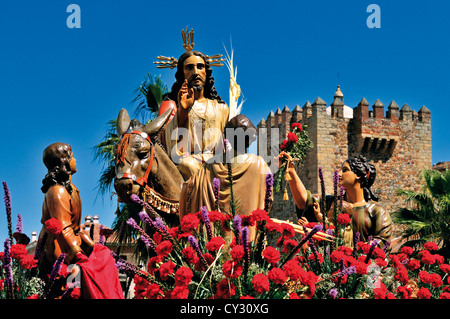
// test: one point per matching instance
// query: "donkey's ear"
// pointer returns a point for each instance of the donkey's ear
(157, 124)
(123, 121)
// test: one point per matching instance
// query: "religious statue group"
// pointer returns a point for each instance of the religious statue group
(171, 163)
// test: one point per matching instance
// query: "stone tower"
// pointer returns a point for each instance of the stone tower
(397, 141)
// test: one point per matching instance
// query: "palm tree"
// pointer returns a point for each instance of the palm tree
(149, 96)
(427, 214)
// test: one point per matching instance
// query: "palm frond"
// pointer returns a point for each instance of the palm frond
(149, 96)
(235, 89)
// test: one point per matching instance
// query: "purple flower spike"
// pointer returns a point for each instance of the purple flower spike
(7, 198)
(193, 242)
(19, 226)
(206, 221)
(148, 241)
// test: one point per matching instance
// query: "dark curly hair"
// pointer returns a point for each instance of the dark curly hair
(367, 174)
(56, 158)
(210, 91)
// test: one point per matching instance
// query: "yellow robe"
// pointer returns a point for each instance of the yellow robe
(206, 122)
(249, 186)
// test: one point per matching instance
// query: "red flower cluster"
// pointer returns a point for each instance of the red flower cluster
(292, 137)
(272, 255)
(53, 226)
(28, 262)
(189, 222)
(164, 248)
(18, 251)
(298, 126)
(215, 243)
(344, 219)
(277, 275)
(432, 279)
(225, 289)
(260, 283)
(232, 269)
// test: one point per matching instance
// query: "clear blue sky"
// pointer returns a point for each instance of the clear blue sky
(61, 84)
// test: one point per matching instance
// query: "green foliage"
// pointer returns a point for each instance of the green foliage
(426, 216)
(149, 96)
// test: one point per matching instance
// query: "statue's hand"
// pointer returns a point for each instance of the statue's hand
(317, 212)
(186, 96)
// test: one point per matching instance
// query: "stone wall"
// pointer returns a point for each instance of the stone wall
(397, 142)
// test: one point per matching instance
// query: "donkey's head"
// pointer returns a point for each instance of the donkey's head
(135, 153)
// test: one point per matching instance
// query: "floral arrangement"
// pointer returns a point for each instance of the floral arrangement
(210, 256)
(19, 274)
(297, 144)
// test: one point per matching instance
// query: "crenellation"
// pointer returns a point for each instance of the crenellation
(398, 144)
(406, 113)
(378, 109)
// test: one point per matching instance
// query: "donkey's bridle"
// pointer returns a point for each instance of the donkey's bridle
(154, 198)
(141, 180)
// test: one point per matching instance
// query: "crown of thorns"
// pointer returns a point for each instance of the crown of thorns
(188, 44)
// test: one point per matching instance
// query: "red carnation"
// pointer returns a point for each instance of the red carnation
(166, 269)
(237, 252)
(272, 255)
(402, 275)
(380, 292)
(153, 264)
(293, 270)
(426, 257)
(28, 262)
(445, 268)
(407, 250)
(405, 291)
(260, 215)
(53, 226)
(289, 245)
(284, 145)
(287, 230)
(75, 293)
(215, 243)
(336, 256)
(183, 276)
(189, 222)
(190, 255)
(260, 283)
(247, 220)
(225, 289)
(431, 246)
(344, 219)
(423, 293)
(298, 126)
(18, 251)
(444, 295)
(413, 264)
(272, 226)
(277, 275)
(164, 248)
(179, 292)
(154, 292)
(231, 269)
(215, 216)
(361, 268)
(292, 137)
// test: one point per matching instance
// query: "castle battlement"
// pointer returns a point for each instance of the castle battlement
(397, 140)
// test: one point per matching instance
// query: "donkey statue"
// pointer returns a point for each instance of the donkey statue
(144, 168)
